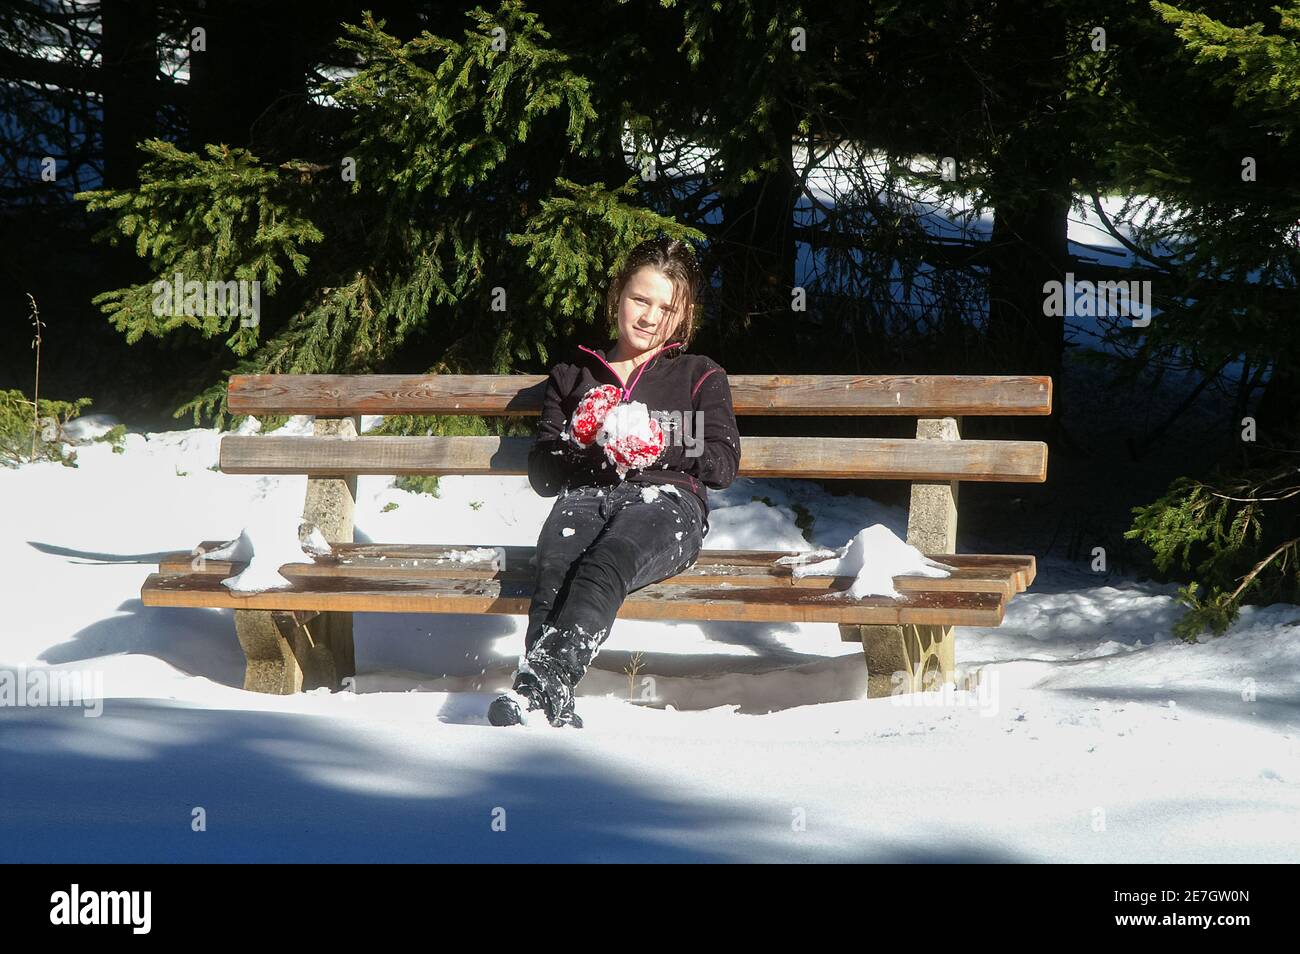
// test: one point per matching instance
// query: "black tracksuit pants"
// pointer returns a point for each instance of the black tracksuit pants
(598, 545)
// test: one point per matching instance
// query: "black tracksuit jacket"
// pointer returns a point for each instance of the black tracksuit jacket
(671, 381)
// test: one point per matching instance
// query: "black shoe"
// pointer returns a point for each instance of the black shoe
(558, 661)
(568, 717)
(512, 708)
(505, 710)
(553, 690)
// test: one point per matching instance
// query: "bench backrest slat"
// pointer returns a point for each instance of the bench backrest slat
(334, 395)
(808, 457)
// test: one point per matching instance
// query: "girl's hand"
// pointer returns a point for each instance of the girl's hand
(591, 412)
(632, 451)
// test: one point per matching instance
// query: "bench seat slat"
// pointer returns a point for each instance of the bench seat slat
(913, 395)
(1025, 564)
(1007, 575)
(657, 601)
(800, 457)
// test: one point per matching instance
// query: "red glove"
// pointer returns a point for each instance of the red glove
(631, 451)
(590, 413)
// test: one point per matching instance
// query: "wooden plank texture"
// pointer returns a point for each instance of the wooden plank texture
(803, 457)
(921, 395)
(1005, 574)
(657, 601)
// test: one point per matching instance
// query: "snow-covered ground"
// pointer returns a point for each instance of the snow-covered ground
(1094, 736)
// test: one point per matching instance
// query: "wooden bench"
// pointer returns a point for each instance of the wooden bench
(301, 637)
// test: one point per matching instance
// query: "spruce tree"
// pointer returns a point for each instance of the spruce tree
(1230, 187)
(436, 232)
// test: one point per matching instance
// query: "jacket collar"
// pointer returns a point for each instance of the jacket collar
(629, 385)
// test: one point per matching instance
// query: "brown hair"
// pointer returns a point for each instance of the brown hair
(676, 259)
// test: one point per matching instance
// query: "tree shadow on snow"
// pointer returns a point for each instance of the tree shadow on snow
(1279, 710)
(282, 788)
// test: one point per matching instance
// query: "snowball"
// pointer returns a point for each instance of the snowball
(630, 437)
(567, 532)
(649, 494)
(630, 419)
(873, 558)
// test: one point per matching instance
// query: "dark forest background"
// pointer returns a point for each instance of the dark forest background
(510, 154)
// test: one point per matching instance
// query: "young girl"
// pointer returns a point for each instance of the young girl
(630, 437)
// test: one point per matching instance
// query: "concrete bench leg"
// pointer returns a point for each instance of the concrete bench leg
(904, 658)
(913, 657)
(330, 505)
(282, 655)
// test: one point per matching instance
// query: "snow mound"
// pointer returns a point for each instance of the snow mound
(873, 558)
(89, 427)
(317, 544)
(267, 543)
(298, 425)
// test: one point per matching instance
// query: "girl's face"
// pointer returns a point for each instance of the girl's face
(646, 317)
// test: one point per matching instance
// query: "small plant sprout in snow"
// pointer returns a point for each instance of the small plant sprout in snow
(37, 325)
(632, 668)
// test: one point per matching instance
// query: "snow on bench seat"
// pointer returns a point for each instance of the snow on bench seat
(708, 599)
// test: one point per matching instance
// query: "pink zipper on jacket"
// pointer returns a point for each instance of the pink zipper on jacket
(627, 391)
